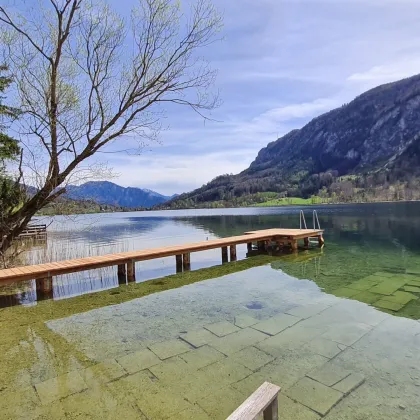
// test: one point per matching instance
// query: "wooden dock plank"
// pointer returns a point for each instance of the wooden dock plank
(94, 262)
(263, 400)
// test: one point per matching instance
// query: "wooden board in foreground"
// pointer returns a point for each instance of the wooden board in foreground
(263, 400)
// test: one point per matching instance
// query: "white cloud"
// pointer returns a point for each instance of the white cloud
(282, 64)
(178, 173)
(388, 72)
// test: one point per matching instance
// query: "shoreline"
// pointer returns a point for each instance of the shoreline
(226, 208)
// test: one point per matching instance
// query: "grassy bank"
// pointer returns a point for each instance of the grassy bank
(291, 201)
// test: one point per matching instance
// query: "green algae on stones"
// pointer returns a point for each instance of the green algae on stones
(367, 297)
(400, 297)
(388, 287)
(364, 284)
(392, 306)
(345, 292)
(413, 289)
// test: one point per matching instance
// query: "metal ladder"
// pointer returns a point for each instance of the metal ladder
(315, 221)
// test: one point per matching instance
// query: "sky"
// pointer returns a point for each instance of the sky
(281, 63)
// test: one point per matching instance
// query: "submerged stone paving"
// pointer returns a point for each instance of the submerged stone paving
(389, 291)
(333, 358)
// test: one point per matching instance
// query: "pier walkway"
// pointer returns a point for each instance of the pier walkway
(125, 261)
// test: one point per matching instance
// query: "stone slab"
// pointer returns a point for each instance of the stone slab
(221, 404)
(346, 334)
(292, 410)
(170, 369)
(385, 304)
(286, 370)
(103, 372)
(385, 274)
(350, 383)
(276, 324)
(193, 413)
(134, 362)
(235, 342)
(169, 348)
(249, 384)
(225, 371)
(290, 339)
(94, 404)
(198, 338)
(400, 297)
(329, 374)
(153, 399)
(201, 357)
(324, 347)
(345, 292)
(307, 311)
(222, 328)
(252, 358)
(160, 403)
(60, 387)
(415, 283)
(365, 283)
(367, 297)
(388, 287)
(21, 404)
(243, 321)
(314, 395)
(412, 289)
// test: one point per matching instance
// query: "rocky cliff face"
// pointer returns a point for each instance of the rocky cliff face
(369, 133)
(377, 131)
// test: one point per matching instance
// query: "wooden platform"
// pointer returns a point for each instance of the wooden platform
(34, 231)
(126, 260)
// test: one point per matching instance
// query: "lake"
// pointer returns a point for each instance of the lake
(337, 328)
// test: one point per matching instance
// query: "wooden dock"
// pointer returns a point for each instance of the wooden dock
(34, 231)
(125, 261)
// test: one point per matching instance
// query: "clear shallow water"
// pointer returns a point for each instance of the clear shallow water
(361, 240)
(157, 350)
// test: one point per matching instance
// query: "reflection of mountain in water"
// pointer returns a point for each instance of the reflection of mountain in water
(392, 225)
(112, 232)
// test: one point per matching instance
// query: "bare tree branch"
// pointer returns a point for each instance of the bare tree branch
(86, 78)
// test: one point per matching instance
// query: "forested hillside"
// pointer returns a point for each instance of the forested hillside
(367, 150)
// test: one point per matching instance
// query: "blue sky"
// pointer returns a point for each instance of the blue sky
(281, 63)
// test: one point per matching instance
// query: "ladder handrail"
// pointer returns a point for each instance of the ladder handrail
(316, 220)
(302, 218)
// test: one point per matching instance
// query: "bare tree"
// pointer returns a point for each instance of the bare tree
(86, 78)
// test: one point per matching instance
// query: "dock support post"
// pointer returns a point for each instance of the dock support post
(249, 246)
(294, 245)
(261, 245)
(272, 411)
(224, 254)
(131, 271)
(121, 270)
(44, 288)
(233, 252)
(306, 240)
(321, 241)
(186, 262)
(122, 274)
(178, 259)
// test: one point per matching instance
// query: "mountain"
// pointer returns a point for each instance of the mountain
(105, 192)
(374, 139)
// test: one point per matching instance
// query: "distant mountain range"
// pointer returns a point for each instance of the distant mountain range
(375, 138)
(104, 192)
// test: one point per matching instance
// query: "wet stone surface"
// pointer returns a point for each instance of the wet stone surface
(200, 352)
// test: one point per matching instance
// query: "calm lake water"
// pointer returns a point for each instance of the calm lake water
(337, 328)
